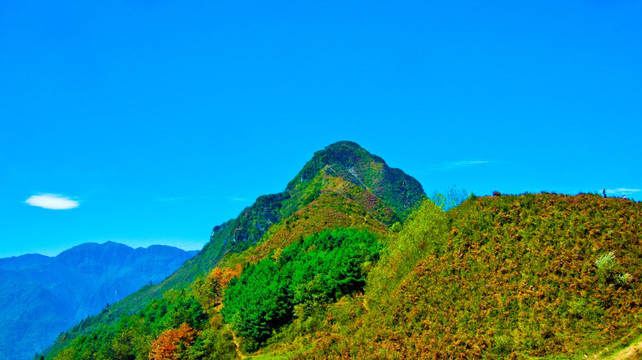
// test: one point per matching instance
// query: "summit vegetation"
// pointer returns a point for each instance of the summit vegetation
(354, 261)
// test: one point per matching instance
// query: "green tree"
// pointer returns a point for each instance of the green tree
(319, 269)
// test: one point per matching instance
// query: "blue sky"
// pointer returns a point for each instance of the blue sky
(158, 120)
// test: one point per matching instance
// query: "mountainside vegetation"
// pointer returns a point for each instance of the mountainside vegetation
(353, 261)
(309, 204)
(543, 275)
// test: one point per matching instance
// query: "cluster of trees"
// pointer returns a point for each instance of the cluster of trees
(252, 302)
(172, 343)
(165, 326)
(317, 270)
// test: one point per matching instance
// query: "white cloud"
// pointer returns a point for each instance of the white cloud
(52, 201)
(459, 165)
(469, 163)
(171, 199)
(623, 191)
(181, 198)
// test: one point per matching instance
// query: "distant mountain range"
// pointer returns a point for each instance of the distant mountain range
(41, 296)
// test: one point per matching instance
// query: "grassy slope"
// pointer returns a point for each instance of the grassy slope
(338, 204)
(497, 277)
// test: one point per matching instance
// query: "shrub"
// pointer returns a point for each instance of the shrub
(606, 266)
(624, 279)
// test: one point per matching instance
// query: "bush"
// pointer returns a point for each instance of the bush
(624, 279)
(606, 267)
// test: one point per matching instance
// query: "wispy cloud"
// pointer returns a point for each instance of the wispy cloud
(238, 199)
(453, 165)
(469, 163)
(180, 198)
(171, 199)
(52, 202)
(622, 191)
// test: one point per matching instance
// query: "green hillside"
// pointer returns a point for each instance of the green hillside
(317, 201)
(338, 267)
(529, 276)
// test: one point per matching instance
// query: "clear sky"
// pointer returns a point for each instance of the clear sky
(152, 121)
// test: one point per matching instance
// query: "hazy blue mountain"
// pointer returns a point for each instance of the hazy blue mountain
(41, 296)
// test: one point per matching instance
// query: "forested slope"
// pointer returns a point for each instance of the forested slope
(340, 272)
(315, 200)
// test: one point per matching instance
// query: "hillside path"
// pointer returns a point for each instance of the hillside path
(634, 351)
(238, 347)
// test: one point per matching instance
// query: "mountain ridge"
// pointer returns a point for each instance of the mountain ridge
(329, 270)
(237, 235)
(56, 292)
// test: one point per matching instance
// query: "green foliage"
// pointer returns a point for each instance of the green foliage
(131, 337)
(425, 230)
(606, 271)
(606, 266)
(341, 204)
(214, 344)
(624, 279)
(319, 269)
(175, 308)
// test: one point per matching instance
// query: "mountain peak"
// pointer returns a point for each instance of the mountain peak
(345, 153)
(343, 146)
(352, 162)
(342, 155)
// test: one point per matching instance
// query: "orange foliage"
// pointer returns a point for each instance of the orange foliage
(210, 290)
(171, 343)
(221, 277)
(218, 280)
